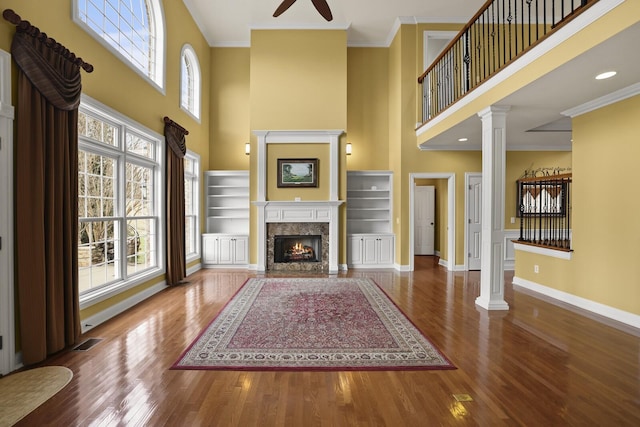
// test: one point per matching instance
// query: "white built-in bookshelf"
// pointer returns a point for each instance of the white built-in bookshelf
(227, 202)
(369, 198)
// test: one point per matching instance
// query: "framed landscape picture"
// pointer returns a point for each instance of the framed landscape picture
(297, 172)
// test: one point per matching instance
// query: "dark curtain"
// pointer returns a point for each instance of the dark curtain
(176, 149)
(49, 90)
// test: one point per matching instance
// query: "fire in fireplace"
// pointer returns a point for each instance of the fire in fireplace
(297, 249)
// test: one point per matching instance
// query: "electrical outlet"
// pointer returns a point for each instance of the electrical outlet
(536, 269)
(513, 220)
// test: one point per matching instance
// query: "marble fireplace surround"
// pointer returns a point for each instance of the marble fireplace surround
(298, 211)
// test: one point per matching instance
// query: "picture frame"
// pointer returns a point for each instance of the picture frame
(546, 198)
(297, 173)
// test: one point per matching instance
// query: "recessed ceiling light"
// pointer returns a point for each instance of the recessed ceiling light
(463, 139)
(606, 75)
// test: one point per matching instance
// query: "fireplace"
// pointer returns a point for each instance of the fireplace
(297, 248)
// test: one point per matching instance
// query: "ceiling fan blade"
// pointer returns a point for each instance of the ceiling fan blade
(286, 4)
(323, 8)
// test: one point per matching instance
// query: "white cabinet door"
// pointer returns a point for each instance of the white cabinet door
(226, 250)
(209, 249)
(385, 250)
(241, 250)
(354, 250)
(370, 249)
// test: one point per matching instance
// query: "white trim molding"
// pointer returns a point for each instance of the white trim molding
(112, 311)
(298, 211)
(451, 216)
(597, 308)
(542, 251)
(603, 101)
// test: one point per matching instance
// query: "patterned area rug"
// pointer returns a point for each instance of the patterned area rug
(311, 324)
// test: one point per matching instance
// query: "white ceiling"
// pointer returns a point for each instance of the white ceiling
(373, 23)
(368, 22)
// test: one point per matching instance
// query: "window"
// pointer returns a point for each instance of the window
(120, 237)
(190, 82)
(132, 29)
(191, 205)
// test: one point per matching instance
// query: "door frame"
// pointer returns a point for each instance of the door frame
(451, 214)
(467, 180)
(7, 319)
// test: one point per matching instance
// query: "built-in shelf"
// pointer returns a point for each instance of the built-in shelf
(226, 242)
(371, 243)
(369, 208)
(227, 202)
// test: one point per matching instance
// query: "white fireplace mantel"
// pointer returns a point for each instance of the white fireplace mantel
(307, 211)
(298, 211)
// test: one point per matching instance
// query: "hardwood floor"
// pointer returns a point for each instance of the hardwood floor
(535, 365)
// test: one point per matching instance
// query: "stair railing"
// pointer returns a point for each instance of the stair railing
(502, 31)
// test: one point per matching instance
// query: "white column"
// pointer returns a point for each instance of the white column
(494, 123)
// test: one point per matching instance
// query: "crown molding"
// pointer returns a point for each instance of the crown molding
(603, 101)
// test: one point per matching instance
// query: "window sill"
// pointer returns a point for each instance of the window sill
(539, 250)
(114, 289)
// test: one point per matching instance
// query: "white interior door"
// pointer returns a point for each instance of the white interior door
(474, 226)
(424, 227)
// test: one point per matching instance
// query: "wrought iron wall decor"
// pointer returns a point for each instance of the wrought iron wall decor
(547, 198)
(544, 208)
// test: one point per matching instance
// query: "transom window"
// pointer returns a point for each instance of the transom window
(132, 29)
(190, 82)
(119, 201)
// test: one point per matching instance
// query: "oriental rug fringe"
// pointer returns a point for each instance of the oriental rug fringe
(311, 324)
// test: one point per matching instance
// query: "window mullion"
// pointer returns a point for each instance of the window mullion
(121, 202)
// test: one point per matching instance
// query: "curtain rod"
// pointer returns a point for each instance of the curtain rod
(168, 121)
(26, 27)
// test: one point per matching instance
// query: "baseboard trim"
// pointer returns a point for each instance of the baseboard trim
(101, 317)
(616, 318)
(193, 269)
(400, 267)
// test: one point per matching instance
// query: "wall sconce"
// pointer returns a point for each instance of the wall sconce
(347, 148)
(247, 148)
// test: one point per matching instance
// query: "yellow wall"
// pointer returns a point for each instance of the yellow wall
(606, 238)
(298, 79)
(118, 86)
(368, 108)
(230, 91)
(606, 234)
(298, 151)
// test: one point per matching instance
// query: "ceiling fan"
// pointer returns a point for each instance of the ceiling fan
(321, 6)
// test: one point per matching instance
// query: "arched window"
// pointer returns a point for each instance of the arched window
(190, 81)
(132, 29)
